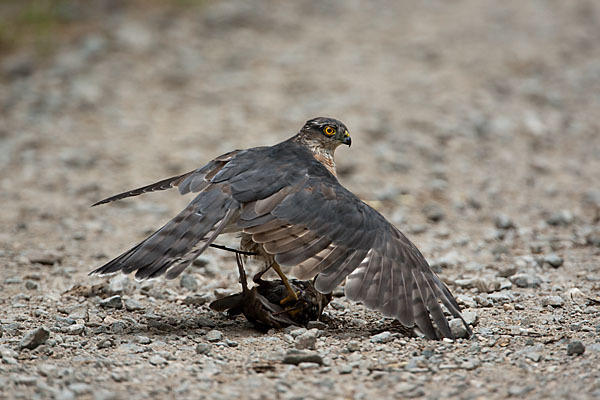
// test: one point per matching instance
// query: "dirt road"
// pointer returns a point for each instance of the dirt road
(475, 130)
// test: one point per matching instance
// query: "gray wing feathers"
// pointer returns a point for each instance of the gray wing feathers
(335, 273)
(342, 237)
(301, 215)
(177, 269)
(193, 181)
(400, 284)
(161, 185)
(171, 245)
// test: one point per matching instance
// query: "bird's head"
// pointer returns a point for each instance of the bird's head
(327, 132)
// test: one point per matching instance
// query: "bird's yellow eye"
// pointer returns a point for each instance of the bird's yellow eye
(329, 130)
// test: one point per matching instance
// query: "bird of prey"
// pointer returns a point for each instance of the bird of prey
(289, 207)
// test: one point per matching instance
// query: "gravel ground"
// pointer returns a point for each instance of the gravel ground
(475, 129)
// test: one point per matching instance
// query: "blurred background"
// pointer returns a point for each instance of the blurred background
(458, 111)
(474, 122)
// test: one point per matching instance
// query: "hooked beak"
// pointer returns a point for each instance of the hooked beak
(347, 140)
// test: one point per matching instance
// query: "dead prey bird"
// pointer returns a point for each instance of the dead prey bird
(287, 204)
(262, 306)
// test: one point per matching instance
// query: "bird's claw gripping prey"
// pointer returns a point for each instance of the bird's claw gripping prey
(289, 207)
(261, 305)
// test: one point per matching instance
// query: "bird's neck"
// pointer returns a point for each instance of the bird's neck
(322, 154)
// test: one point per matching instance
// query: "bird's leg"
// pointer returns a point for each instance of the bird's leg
(243, 280)
(291, 294)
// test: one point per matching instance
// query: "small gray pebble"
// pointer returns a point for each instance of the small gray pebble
(25, 380)
(337, 305)
(76, 329)
(188, 282)
(64, 321)
(483, 301)
(533, 356)
(296, 357)
(502, 221)
(506, 271)
(117, 327)
(382, 337)
(79, 313)
(516, 391)
(47, 369)
(157, 360)
(536, 247)
(458, 328)
(133, 305)
(554, 301)
(143, 340)
(575, 348)
(118, 284)
(316, 325)
(45, 257)
(203, 348)
(119, 376)
(554, 260)
(65, 394)
(105, 344)
(353, 346)
(80, 388)
(560, 218)
(466, 300)
(501, 297)
(31, 285)
(34, 338)
(202, 261)
(297, 332)
(433, 212)
(526, 280)
(307, 340)
(470, 317)
(345, 369)
(308, 365)
(6, 351)
(214, 336)
(112, 302)
(292, 328)
(196, 300)
(486, 285)
(404, 387)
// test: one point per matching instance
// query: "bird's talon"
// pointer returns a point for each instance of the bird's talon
(294, 311)
(292, 296)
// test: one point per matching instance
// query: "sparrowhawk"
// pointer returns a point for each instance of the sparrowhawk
(289, 207)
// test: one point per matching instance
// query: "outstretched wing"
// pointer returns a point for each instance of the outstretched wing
(319, 228)
(193, 181)
(174, 246)
(296, 208)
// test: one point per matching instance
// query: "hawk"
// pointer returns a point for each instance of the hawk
(289, 207)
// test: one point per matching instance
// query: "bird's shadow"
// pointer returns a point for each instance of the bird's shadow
(237, 326)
